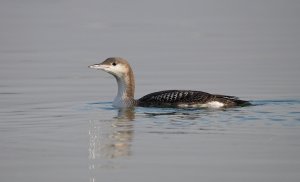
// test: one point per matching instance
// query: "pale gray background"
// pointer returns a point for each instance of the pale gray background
(56, 121)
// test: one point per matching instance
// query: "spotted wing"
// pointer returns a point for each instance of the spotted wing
(175, 97)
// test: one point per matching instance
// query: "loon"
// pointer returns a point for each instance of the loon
(123, 73)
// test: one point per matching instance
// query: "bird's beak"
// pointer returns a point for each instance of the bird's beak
(98, 66)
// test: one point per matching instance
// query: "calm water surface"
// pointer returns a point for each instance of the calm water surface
(56, 118)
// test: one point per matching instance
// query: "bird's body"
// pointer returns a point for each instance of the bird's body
(123, 73)
(188, 98)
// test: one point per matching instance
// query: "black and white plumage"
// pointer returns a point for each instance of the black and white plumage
(123, 73)
(189, 98)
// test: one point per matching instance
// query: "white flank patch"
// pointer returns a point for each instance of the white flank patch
(212, 104)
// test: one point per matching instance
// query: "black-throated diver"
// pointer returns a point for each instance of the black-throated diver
(123, 73)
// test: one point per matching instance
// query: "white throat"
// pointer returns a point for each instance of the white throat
(122, 99)
(121, 92)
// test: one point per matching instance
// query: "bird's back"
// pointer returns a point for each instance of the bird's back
(188, 98)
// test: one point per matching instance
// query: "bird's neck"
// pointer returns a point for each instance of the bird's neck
(126, 88)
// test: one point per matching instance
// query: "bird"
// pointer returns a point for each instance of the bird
(122, 71)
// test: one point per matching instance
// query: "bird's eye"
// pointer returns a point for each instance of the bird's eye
(114, 64)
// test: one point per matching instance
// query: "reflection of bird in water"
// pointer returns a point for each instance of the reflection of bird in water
(126, 114)
(112, 138)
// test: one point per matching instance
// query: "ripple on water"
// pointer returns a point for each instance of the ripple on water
(114, 132)
(279, 112)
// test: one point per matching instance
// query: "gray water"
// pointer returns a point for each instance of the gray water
(57, 122)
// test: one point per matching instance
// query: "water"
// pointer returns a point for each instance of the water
(56, 118)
